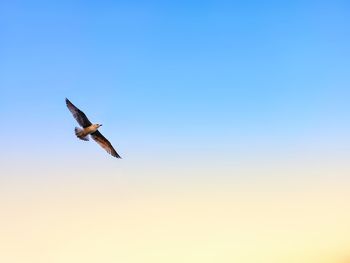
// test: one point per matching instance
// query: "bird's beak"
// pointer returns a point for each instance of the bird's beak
(100, 124)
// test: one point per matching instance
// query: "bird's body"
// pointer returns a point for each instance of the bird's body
(83, 133)
(90, 129)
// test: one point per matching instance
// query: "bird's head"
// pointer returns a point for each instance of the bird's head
(97, 126)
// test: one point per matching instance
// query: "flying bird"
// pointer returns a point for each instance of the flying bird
(90, 129)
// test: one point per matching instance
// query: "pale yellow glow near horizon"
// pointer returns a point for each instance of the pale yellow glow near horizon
(166, 223)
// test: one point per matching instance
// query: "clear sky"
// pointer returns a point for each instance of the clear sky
(201, 99)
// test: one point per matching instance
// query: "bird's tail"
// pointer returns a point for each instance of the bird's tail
(80, 134)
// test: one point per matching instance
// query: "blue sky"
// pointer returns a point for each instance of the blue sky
(232, 118)
(188, 73)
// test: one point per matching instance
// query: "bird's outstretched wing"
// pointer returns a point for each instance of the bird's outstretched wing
(78, 115)
(104, 143)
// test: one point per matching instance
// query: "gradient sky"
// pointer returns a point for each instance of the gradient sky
(215, 104)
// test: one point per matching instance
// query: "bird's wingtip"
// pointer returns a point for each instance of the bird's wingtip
(68, 101)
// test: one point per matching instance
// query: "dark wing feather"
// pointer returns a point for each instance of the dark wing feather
(78, 115)
(104, 143)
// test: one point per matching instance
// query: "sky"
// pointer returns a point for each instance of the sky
(232, 118)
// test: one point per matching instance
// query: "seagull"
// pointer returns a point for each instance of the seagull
(90, 129)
